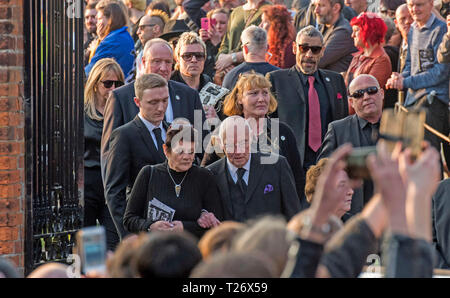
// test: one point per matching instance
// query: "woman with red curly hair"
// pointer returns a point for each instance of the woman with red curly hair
(368, 34)
(277, 21)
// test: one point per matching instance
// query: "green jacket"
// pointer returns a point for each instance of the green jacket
(231, 42)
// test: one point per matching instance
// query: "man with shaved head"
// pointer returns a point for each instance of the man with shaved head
(360, 129)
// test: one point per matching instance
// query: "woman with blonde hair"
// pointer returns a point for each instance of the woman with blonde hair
(251, 99)
(106, 75)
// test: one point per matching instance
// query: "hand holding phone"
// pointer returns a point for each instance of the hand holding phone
(91, 246)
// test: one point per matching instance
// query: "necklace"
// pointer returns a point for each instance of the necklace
(177, 186)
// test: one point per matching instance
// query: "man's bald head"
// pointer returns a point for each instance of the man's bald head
(366, 97)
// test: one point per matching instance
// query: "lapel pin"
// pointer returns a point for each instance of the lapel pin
(177, 97)
(282, 138)
(327, 79)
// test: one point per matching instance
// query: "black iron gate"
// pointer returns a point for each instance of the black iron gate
(53, 35)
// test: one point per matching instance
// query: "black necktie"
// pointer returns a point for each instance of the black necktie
(375, 132)
(240, 181)
(159, 140)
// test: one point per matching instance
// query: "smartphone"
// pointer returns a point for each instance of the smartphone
(205, 22)
(91, 246)
(356, 162)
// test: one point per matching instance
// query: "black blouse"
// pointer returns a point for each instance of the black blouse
(92, 139)
(198, 191)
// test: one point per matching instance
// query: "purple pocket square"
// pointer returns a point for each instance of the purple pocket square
(268, 188)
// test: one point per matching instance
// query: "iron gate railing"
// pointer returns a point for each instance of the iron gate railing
(54, 74)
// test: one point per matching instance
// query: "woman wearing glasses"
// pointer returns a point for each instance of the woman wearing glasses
(190, 55)
(175, 195)
(105, 76)
(368, 34)
(114, 41)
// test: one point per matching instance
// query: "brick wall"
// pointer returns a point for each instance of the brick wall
(12, 143)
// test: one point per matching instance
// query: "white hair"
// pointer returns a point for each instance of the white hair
(230, 123)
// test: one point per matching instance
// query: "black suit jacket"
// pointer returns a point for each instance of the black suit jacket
(120, 109)
(343, 131)
(282, 200)
(288, 89)
(441, 224)
(131, 148)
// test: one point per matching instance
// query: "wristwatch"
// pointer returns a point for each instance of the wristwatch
(324, 230)
(234, 57)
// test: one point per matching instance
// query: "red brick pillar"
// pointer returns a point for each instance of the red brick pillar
(12, 142)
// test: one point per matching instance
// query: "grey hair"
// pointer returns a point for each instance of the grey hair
(255, 38)
(229, 123)
(309, 31)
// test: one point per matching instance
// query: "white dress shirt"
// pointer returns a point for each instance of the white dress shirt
(233, 170)
(150, 128)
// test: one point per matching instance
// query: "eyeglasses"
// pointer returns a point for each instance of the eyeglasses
(109, 83)
(198, 56)
(305, 48)
(360, 93)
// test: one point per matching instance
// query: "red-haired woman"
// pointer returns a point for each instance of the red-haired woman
(277, 21)
(368, 34)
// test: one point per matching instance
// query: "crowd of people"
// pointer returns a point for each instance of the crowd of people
(258, 184)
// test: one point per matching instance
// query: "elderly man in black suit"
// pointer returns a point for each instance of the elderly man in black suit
(360, 129)
(136, 144)
(309, 98)
(252, 184)
(121, 109)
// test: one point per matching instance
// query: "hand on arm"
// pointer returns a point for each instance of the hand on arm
(161, 225)
(395, 81)
(207, 220)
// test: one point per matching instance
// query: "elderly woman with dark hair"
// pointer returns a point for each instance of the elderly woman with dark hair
(369, 31)
(175, 195)
(114, 41)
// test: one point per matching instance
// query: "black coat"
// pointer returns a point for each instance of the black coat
(288, 90)
(131, 148)
(285, 145)
(441, 224)
(282, 200)
(121, 109)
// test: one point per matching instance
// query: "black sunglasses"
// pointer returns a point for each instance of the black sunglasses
(360, 93)
(109, 83)
(305, 48)
(198, 56)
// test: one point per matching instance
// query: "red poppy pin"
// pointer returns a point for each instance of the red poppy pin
(339, 96)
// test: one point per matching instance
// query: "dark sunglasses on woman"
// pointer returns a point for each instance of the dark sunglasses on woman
(198, 56)
(360, 93)
(109, 83)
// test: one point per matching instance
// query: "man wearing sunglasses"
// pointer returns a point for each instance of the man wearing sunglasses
(309, 98)
(190, 54)
(360, 129)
